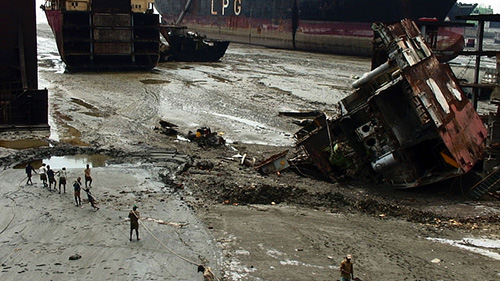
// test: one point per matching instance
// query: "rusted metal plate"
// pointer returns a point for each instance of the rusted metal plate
(113, 35)
(101, 19)
(274, 163)
(458, 124)
(112, 48)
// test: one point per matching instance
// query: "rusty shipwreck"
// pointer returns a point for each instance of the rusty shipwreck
(105, 34)
(407, 123)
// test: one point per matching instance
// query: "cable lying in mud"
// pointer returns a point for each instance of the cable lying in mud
(176, 254)
(13, 215)
(13, 209)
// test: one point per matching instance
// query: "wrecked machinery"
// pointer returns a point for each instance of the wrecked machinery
(408, 123)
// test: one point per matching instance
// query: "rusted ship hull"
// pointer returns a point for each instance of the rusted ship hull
(106, 39)
(408, 123)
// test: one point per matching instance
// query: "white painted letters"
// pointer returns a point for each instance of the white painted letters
(225, 4)
(212, 9)
(237, 7)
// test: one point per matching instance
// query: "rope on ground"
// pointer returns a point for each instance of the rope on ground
(166, 247)
(13, 216)
(13, 209)
(21, 182)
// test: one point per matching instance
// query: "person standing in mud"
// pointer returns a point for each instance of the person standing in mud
(346, 269)
(62, 179)
(91, 199)
(88, 178)
(43, 174)
(133, 215)
(52, 178)
(77, 186)
(29, 170)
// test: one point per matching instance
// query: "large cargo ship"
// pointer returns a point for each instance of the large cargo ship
(460, 9)
(332, 26)
(105, 34)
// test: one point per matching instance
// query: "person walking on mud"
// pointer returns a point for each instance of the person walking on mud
(346, 269)
(77, 186)
(88, 177)
(91, 199)
(29, 170)
(133, 215)
(43, 174)
(52, 178)
(62, 179)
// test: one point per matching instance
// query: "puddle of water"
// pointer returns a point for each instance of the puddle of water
(23, 144)
(474, 245)
(79, 161)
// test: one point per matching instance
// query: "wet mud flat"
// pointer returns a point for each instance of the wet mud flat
(245, 225)
(289, 227)
(43, 228)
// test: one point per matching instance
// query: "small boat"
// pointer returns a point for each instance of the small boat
(184, 45)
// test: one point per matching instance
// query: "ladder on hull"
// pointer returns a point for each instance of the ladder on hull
(488, 184)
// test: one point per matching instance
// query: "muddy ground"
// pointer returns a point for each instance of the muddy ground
(200, 206)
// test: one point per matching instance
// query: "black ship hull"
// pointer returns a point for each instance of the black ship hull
(332, 26)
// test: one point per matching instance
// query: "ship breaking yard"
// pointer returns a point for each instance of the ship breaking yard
(270, 164)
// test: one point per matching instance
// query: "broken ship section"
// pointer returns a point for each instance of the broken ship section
(408, 123)
(105, 34)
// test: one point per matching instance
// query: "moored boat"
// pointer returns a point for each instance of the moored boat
(332, 26)
(105, 34)
(189, 46)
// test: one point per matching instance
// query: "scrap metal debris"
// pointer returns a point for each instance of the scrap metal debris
(205, 137)
(274, 164)
(167, 128)
(408, 123)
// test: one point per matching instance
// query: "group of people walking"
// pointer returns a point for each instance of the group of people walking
(48, 178)
(48, 175)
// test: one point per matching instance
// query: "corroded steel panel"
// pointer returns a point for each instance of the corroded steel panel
(113, 35)
(458, 124)
(112, 48)
(118, 20)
